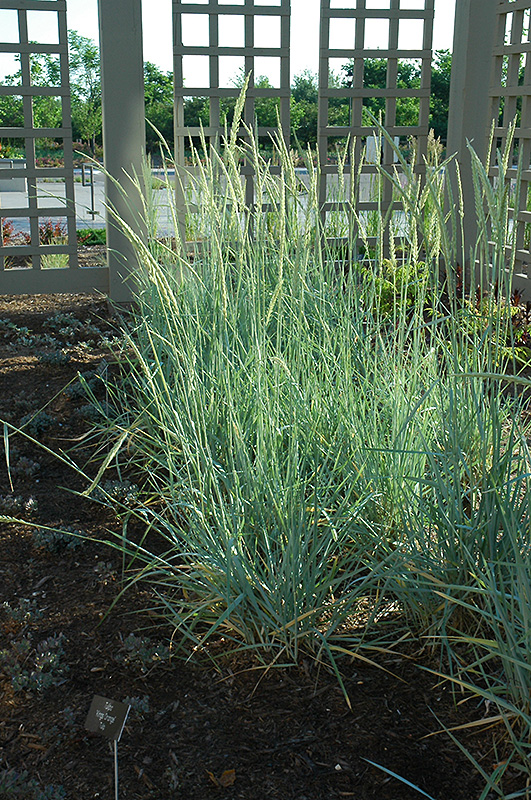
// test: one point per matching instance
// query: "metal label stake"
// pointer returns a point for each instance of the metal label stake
(115, 769)
(108, 717)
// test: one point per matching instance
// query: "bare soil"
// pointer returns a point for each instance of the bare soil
(196, 731)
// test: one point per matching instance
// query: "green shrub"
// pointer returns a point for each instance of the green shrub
(91, 236)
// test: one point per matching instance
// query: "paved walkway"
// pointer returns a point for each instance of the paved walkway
(52, 194)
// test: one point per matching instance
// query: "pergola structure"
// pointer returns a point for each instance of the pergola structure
(492, 50)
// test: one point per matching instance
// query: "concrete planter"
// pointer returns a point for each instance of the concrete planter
(16, 183)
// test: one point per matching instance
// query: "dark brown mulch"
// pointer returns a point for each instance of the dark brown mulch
(285, 734)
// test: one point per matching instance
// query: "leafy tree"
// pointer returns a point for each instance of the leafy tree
(85, 82)
(86, 97)
(440, 93)
(304, 104)
(46, 110)
(158, 87)
(305, 87)
(11, 110)
(265, 107)
(409, 76)
(375, 77)
(338, 107)
(196, 112)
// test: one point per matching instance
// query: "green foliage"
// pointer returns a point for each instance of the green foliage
(18, 334)
(85, 86)
(139, 652)
(91, 236)
(85, 82)
(158, 85)
(15, 504)
(47, 112)
(265, 107)
(89, 382)
(38, 424)
(54, 358)
(304, 97)
(139, 705)
(440, 92)
(375, 76)
(511, 334)
(24, 612)
(395, 283)
(159, 106)
(196, 113)
(26, 467)
(305, 87)
(117, 493)
(86, 98)
(11, 111)
(408, 77)
(57, 542)
(11, 149)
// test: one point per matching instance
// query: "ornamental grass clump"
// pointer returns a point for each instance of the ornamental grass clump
(329, 453)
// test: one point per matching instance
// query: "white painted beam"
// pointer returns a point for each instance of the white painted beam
(124, 140)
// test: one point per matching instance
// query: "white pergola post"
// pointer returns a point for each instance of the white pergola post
(124, 138)
(470, 108)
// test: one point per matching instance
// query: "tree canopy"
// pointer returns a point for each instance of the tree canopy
(85, 81)
(409, 77)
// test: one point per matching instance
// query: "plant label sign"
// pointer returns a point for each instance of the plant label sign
(107, 717)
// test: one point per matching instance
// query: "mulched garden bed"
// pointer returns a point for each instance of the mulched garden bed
(195, 731)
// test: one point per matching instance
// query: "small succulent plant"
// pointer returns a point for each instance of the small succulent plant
(141, 653)
(25, 467)
(17, 504)
(24, 611)
(55, 541)
(37, 424)
(123, 493)
(34, 668)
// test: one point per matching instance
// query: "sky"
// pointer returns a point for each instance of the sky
(83, 17)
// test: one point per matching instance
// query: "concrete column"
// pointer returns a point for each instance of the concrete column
(470, 107)
(124, 138)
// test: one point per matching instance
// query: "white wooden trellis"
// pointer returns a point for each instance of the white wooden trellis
(358, 13)
(184, 85)
(34, 279)
(510, 97)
